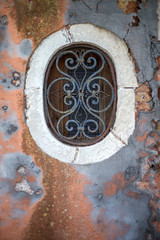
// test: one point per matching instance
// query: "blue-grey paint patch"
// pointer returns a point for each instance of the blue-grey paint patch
(131, 173)
(105, 14)
(9, 165)
(119, 209)
(140, 40)
(25, 48)
(17, 213)
(108, 15)
(8, 126)
(106, 169)
(141, 51)
(7, 44)
(3, 46)
(132, 212)
(11, 128)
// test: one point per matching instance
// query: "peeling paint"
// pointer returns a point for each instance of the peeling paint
(128, 6)
(61, 201)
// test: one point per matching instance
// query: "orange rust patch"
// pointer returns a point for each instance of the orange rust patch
(128, 6)
(144, 88)
(157, 74)
(132, 194)
(154, 221)
(116, 184)
(141, 135)
(143, 185)
(31, 178)
(143, 98)
(142, 154)
(157, 226)
(157, 180)
(15, 62)
(149, 141)
(143, 106)
(158, 60)
(142, 138)
(132, 7)
(143, 121)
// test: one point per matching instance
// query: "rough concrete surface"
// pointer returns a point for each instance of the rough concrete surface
(42, 198)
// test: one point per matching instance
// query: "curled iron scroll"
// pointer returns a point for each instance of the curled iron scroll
(81, 96)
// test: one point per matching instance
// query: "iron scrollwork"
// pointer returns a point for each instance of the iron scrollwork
(82, 93)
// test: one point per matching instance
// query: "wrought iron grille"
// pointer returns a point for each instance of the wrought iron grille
(80, 95)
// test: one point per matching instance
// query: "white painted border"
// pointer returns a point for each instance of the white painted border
(126, 81)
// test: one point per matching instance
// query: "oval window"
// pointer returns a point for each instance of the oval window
(80, 95)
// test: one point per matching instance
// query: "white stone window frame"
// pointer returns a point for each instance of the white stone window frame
(124, 123)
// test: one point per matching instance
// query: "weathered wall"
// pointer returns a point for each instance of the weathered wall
(42, 198)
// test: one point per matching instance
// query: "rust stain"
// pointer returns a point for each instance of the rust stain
(143, 106)
(128, 6)
(142, 137)
(154, 220)
(144, 88)
(31, 178)
(16, 62)
(157, 74)
(39, 18)
(142, 154)
(56, 215)
(143, 98)
(116, 184)
(140, 133)
(132, 194)
(132, 7)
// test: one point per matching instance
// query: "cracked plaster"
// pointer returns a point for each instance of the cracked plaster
(111, 17)
(144, 46)
(128, 156)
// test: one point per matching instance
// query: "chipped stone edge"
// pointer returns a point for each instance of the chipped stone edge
(126, 81)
